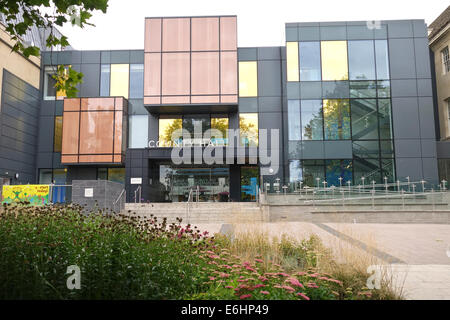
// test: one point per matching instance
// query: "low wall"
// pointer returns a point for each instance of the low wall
(96, 194)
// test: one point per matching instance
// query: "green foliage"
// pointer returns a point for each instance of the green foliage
(36, 13)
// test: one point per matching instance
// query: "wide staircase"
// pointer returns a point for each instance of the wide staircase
(201, 212)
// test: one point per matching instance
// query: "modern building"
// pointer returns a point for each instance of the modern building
(439, 36)
(341, 102)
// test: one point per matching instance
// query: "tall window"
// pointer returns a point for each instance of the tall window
(334, 60)
(136, 81)
(336, 115)
(57, 137)
(221, 124)
(312, 120)
(361, 57)
(119, 80)
(248, 79)
(292, 61)
(446, 60)
(167, 126)
(138, 131)
(310, 61)
(248, 125)
(50, 92)
(105, 80)
(294, 120)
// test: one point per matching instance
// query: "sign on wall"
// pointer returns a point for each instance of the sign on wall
(34, 194)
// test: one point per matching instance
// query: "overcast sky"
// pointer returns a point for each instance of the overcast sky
(260, 23)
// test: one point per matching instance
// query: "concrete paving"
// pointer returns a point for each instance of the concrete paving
(416, 256)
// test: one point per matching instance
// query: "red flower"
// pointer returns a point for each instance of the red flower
(245, 296)
(294, 282)
(303, 296)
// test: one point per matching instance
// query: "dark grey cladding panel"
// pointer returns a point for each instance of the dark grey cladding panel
(361, 32)
(105, 57)
(400, 29)
(429, 148)
(153, 127)
(49, 58)
(407, 148)
(270, 122)
(44, 160)
(47, 108)
(424, 88)
(422, 54)
(404, 88)
(311, 90)
(426, 117)
(430, 170)
(247, 54)
(313, 150)
(443, 149)
(120, 56)
(293, 90)
(291, 34)
(91, 80)
(409, 167)
(46, 130)
(338, 32)
(136, 107)
(420, 29)
(402, 59)
(269, 53)
(248, 104)
(137, 56)
(311, 33)
(405, 114)
(59, 107)
(18, 127)
(270, 104)
(90, 57)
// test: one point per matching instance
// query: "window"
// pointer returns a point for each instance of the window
(49, 176)
(138, 131)
(248, 125)
(338, 172)
(336, 114)
(119, 80)
(57, 136)
(385, 119)
(312, 120)
(445, 60)
(167, 126)
(292, 61)
(363, 89)
(361, 57)
(294, 120)
(364, 119)
(313, 172)
(334, 60)
(50, 92)
(105, 77)
(249, 183)
(248, 79)
(136, 81)
(45, 176)
(382, 59)
(116, 175)
(220, 124)
(310, 61)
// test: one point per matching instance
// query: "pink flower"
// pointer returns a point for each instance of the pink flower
(229, 287)
(283, 274)
(288, 288)
(261, 278)
(259, 260)
(265, 292)
(301, 273)
(227, 267)
(303, 296)
(212, 278)
(224, 275)
(250, 269)
(312, 285)
(259, 286)
(294, 282)
(335, 281)
(245, 296)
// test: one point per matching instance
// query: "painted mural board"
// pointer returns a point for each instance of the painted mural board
(34, 194)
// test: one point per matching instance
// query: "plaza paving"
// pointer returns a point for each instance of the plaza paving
(416, 255)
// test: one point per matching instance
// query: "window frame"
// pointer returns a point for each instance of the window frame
(445, 55)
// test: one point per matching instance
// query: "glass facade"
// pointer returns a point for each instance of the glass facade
(167, 127)
(120, 74)
(310, 69)
(312, 119)
(138, 135)
(334, 60)
(249, 183)
(361, 58)
(336, 118)
(292, 61)
(249, 130)
(248, 79)
(105, 79)
(136, 81)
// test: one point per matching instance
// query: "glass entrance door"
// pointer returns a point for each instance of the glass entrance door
(249, 183)
(213, 184)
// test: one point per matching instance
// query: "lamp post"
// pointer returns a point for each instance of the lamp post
(409, 188)
(423, 185)
(318, 183)
(340, 182)
(362, 179)
(373, 185)
(386, 184)
(349, 186)
(324, 184)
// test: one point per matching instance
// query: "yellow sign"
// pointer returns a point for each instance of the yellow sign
(34, 194)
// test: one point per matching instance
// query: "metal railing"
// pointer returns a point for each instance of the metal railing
(121, 199)
(139, 189)
(191, 200)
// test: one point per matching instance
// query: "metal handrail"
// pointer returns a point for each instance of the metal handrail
(119, 198)
(190, 197)
(140, 194)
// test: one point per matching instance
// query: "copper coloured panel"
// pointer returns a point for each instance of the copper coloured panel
(205, 99)
(96, 132)
(175, 100)
(152, 35)
(69, 159)
(97, 104)
(230, 99)
(152, 74)
(72, 104)
(71, 121)
(176, 74)
(118, 132)
(118, 159)
(119, 104)
(176, 34)
(228, 74)
(228, 33)
(205, 73)
(96, 158)
(152, 100)
(205, 34)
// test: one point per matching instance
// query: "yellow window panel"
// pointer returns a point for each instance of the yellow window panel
(120, 80)
(292, 61)
(248, 79)
(249, 129)
(334, 60)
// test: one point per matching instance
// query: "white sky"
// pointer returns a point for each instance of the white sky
(260, 22)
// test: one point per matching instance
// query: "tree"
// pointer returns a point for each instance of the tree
(48, 15)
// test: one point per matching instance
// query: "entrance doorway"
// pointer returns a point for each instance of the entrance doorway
(212, 183)
(249, 183)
